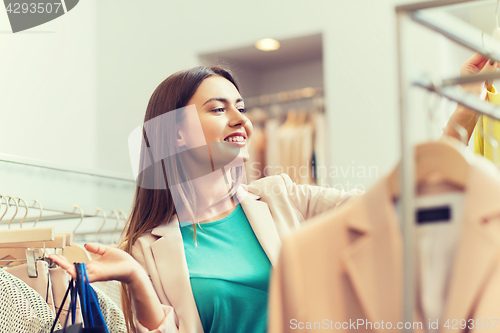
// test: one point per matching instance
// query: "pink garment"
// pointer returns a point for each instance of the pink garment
(60, 281)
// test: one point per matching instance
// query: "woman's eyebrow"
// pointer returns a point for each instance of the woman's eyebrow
(223, 100)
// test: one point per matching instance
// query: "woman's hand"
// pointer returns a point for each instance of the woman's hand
(114, 264)
(477, 64)
(463, 117)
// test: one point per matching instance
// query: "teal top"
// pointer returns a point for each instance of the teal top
(229, 273)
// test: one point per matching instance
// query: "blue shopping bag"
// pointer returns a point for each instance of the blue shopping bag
(93, 320)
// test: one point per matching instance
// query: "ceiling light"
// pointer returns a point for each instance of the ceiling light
(267, 44)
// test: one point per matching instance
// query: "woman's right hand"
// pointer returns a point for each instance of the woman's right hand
(114, 264)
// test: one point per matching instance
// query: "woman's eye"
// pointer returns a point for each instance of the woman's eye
(242, 110)
(218, 110)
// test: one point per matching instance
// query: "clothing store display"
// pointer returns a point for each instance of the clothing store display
(112, 313)
(41, 284)
(60, 280)
(320, 153)
(274, 206)
(230, 286)
(272, 148)
(16, 312)
(111, 289)
(254, 167)
(347, 264)
(488, 129)
(14, 309)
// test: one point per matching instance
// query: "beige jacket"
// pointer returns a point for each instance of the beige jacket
(347, 265)
(273, 205)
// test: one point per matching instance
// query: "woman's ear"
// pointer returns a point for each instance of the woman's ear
(181, 142)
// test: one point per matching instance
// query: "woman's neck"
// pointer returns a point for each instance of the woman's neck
(211, 195)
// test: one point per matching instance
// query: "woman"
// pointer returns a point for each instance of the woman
(211, 275)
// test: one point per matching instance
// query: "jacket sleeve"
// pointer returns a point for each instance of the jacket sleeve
(312, 200)
(170, 323)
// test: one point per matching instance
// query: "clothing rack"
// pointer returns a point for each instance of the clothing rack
(284, 97)
(459, 32)
(99, 184)
(65, 213)
(55, 166)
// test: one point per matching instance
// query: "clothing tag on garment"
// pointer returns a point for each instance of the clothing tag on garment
(434, 214)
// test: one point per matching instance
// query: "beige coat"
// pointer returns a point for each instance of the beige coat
(273, 205)
(347, 265)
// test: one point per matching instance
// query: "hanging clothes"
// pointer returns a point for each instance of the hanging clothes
(254, 167)
(320, 152)
(112, 289)
(40, 284)
(112, 314)
(347, 264)
(488, 127)
(22, 309)
(60, 281)
(272, 148)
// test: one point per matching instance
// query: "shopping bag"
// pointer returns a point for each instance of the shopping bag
(74, 328)
(93, 320)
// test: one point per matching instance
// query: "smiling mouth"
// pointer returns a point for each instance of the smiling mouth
(239, 140)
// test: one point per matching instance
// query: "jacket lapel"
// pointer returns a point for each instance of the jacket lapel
(174, 274)
(262, 224)
(374, 257)
(478, 246)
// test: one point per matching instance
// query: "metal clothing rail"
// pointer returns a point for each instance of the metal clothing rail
(467, 100)
(463, 34)
(66, 213)
(284, 97)
(54, 166)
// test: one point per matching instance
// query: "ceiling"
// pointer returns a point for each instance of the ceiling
(293, 50)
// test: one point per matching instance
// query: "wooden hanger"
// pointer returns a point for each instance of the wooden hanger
(20, 244)
(301, 117)
(76, 252)
(440, 161)
(291, 118)
(23, 235)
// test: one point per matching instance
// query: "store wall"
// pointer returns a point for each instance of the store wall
(88, 86)
(48, 89)
(360, 75)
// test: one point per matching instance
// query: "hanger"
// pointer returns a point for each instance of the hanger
(69, 235)
(301, 117)
(28, 244)
(437, 163)
(93, 255)
(24, 235)
(291, 118)
(117, 215)
(76, 252)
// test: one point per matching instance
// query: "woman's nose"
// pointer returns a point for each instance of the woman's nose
(236, 118)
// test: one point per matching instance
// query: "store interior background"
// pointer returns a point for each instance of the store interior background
(73, 89)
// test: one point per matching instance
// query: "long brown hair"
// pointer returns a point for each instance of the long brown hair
(153, 207)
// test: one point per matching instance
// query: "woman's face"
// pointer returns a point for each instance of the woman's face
(220, 111)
